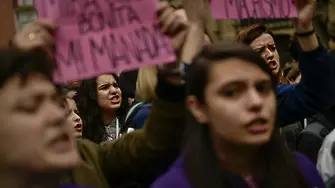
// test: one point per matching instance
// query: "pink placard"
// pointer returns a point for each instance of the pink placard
(104, 36)
(257, 9)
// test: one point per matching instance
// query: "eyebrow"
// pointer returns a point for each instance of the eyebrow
(104, 83)
(53, 93)
(259, 48)
(243, 81)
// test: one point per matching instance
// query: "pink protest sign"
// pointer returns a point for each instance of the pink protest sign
(245, 9)
(104, 36)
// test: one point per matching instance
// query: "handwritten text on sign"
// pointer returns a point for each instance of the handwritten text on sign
(104, 36)
(244, 9)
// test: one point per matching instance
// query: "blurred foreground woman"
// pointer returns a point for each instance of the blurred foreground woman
(37, 146)
(231, 138)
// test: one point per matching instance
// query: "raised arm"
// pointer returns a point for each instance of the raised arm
(316, 91)
(142, 155)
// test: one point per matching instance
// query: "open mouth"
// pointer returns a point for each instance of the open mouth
(62, 143)
(258, 125)
(272, 64)
(115, 99)
(78, 127)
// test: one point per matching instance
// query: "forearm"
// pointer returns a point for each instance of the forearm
(140, 154)
(307, 43)
(193, 42)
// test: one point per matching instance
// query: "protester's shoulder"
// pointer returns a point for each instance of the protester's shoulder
(86, 144)
(143, 111)
(309, 170)
(174, 177)
(302, 160)
(281, 88)
(88, 149)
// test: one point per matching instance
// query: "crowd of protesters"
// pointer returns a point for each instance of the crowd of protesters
(225, 114)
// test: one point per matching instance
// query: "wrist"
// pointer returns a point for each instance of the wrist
(174, 75)
(175, 70)
(303, 28)
(305, 33)
(196, 25)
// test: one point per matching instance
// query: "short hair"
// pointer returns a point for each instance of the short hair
(252, 32)
(15, 62)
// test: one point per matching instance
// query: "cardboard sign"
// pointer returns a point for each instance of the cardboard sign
(104, 36)
(244, 9)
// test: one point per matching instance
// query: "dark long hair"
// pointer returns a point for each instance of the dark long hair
(90, 112)
(14, 62)
(277, 165)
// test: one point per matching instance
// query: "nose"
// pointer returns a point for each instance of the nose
(254, 101)
(76, 118)
(112, 89)
(268, 54)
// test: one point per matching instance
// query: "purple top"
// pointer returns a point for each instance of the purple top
(176, 178)
(72, 186)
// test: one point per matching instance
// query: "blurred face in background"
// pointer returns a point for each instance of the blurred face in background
(74, 118)
(108, 93)
(35, 135)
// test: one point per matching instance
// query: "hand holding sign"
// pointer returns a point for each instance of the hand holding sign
(99, 36)
(172, 26)
(36, 35)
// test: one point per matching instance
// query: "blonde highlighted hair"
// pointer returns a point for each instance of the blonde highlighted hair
(146, 83)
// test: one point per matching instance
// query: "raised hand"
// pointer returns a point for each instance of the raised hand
(305, 10)
(196, 13)
(172, 24)
(38, 34)
(196, 10)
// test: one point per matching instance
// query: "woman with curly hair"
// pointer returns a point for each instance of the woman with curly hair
(100, 104)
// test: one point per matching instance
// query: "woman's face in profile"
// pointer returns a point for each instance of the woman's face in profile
(240, 103)
(74, 118)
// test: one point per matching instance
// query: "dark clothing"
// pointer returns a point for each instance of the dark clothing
(314, 94)
(128, 83)
(311, 138)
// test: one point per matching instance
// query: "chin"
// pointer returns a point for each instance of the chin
(64, 162)
(258, 140)
(115, 106)
(275, 72)
(77, 134)
(56, 163)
